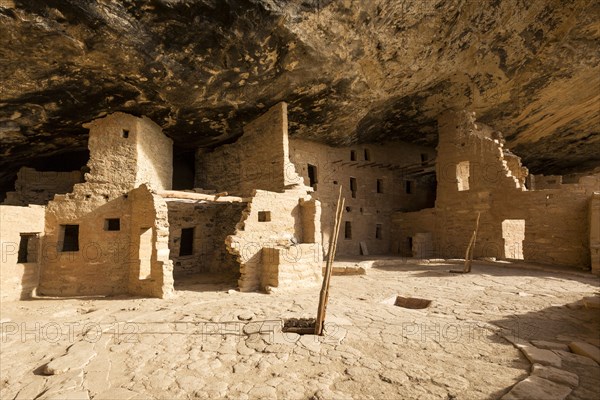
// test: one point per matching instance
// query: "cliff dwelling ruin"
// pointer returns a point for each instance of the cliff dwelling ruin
(170, 199)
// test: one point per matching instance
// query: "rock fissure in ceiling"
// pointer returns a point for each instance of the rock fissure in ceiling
(351, 71)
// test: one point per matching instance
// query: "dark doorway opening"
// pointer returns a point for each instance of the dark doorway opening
(312, 176)
(186, 244)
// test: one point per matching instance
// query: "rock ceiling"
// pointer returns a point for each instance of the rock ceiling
(352, 71)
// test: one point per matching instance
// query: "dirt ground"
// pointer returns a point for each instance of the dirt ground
(212, 341)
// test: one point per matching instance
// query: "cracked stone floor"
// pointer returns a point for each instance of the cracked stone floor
(213, 342)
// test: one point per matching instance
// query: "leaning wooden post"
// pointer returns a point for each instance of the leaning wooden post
(471, 248)
(324, 295)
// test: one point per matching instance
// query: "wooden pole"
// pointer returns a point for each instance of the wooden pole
(324, 295)
(218, 197)
(470, 250)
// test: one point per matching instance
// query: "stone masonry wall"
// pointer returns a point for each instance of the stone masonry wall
(39, 187)
(290, 266)
(108, 260)
(127, 151)
(212, 223)
(154, 155)
(271, 220)
(555, 220)
(257, 160)
(149, 213)
(390, 164)
(19, 280)
(100, 266)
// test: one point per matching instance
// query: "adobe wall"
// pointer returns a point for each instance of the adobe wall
(99, 267)
(123, 152)
(149, 213)
(393, 164)
(257, 160)
(212, 223)
(556, 221)
(19, 280)
(155, 155)
(39, 187)
(106, 260)
(127, 151)
(290, 266)
(282, 229)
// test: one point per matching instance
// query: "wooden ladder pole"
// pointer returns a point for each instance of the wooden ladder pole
(324, 295)
(471, 247)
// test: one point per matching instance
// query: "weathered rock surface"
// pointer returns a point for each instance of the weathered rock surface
(78, 356)
(576, 358)
(351, 71)
(555, 375)
(537, 388)
(586, 349)
(543, 344)
(541, 356)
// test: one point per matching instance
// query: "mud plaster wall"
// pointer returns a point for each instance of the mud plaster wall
(258, 160)
(39, 187)
(19, 280)
(389, 164)
(212, 223)
(126, 151)
(283, 228)
(149, 210)
(556, 220)
(105, 260)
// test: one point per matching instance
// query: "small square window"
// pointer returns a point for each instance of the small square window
(352, 155)
(367, 155)
(112, 224)
(378, 232)
(264, 216)
(125, 133)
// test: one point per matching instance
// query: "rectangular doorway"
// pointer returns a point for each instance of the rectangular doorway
(145, 254)
(513, 233)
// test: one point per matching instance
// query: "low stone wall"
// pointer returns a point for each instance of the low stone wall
(39, 187)
(211, 222)
(271, 220)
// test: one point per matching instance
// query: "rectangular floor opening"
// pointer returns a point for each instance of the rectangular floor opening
(301, 326)
(411, 302)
